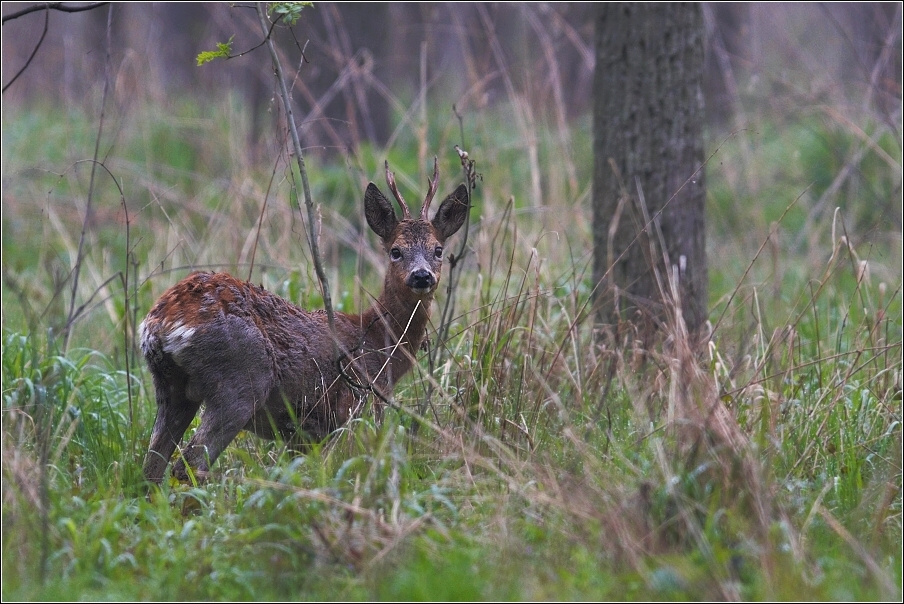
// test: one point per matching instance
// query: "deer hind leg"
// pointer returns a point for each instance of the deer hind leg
(174, 414)
(226, 413)
(229, 365)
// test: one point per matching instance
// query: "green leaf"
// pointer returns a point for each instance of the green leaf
(223, 50)
(290, 11)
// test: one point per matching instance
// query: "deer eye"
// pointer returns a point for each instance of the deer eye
(395, 253)
(438, 252)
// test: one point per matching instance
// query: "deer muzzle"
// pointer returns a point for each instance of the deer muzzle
(421, 281)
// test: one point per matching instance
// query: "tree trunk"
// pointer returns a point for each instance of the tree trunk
(648, 147)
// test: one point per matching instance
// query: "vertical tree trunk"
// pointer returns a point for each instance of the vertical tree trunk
(648, 144)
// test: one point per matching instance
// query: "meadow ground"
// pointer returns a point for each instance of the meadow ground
(533, 454)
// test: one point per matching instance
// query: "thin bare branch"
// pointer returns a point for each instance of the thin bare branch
(264, 41)
(260, 219)
(33, 52)
(48, 6)
(100, 129)
(467, 166)
(299, 158)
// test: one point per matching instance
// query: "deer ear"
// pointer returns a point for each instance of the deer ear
(451, 213)
(379, 213)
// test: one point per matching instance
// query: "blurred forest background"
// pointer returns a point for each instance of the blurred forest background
(362, 59)
(558, 465)
(377, 74)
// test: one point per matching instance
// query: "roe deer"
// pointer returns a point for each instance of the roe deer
(259, 363)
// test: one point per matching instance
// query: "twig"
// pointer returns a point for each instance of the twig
(74, 316)
(100, 129)
(306, 188)
(127, 348)
(264, 41)
(442, 331)
(260, 220)
(48, 6)
(33, 52)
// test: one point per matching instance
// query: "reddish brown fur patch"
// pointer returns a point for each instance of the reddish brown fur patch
(195, 300)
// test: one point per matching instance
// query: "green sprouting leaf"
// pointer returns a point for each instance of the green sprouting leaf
(223, 50)
(290, 11)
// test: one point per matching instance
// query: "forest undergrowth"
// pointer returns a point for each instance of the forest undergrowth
(533, 453)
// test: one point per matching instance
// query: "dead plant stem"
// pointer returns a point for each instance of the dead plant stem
(70, 318)
(313, 237)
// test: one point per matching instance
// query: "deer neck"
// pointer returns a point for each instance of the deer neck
(398, 319)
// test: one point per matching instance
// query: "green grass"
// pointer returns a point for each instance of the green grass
(556, 464)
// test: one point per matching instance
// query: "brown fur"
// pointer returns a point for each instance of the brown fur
(258, 362)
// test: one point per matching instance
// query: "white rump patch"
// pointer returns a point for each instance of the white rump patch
(144, 338)
(177, 338)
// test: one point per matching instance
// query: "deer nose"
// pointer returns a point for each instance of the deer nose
(421, 280)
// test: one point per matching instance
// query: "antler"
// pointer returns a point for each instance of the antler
(390, 180)
(431, 191)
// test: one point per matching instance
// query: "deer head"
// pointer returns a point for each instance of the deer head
(414, 246)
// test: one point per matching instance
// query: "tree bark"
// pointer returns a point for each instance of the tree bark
(648, 188)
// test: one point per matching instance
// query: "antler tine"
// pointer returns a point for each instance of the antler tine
(390, 180)
(431, 191)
